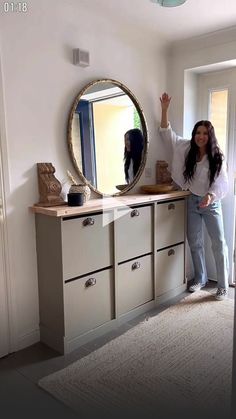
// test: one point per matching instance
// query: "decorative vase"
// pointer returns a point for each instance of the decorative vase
(82, 187)
(162, 173)
(75, 199)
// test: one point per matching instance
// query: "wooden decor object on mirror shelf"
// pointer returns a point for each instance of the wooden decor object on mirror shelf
(162, 173)
(49, 186)
(158, 188)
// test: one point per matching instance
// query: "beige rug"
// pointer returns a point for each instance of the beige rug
(179, 359)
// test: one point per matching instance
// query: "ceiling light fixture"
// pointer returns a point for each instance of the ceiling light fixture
(169, 3)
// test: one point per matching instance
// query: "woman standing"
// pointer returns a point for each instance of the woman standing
(198, 166)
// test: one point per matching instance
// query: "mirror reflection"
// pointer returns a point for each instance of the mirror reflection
(133, 153)
(107, 137)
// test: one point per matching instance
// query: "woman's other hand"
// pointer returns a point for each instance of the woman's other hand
(165, 101)
(206, 200)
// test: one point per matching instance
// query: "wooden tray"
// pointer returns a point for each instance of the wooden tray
(158, 188)
(121, 187)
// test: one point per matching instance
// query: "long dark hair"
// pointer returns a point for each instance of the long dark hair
(214, 154)
(135, 138)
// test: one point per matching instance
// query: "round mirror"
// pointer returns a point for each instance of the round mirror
(107, 137)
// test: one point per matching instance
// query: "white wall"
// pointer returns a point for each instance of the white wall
(189, 54)
(39, 86)
(190, 102)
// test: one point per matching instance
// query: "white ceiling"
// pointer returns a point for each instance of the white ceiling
(194, 18)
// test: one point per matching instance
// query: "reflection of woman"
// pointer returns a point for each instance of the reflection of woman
(132, 153)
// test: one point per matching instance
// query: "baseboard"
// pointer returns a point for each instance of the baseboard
(209, 280)
(170, 294)
(212, 280)
(28, 339)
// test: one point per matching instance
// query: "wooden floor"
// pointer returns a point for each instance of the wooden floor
(20, 372)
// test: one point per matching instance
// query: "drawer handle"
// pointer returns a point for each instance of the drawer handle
(171, 206)
(134, 213)
(90, 282)
(171, 252)
(136, 265)
(88, 222)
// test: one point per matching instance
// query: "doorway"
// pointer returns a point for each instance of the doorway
(216, 101)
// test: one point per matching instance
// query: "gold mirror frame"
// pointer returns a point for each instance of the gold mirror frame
(144, 131)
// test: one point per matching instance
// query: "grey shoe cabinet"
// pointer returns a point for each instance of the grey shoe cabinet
(106, 262)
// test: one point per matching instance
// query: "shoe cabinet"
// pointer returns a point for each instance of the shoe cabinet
(107, 262)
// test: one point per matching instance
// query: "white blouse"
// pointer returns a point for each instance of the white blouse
(199, 185)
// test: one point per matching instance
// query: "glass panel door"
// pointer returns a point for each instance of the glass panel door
(218, 115)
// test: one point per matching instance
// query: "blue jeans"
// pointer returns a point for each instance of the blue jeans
(212, 216)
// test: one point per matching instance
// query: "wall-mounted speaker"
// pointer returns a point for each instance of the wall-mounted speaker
(81, 57)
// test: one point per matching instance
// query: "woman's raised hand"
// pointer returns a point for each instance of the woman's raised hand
(165, 101)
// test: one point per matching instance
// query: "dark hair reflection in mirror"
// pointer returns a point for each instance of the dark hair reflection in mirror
(134, 143)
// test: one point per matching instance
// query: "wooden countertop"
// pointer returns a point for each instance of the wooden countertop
(103, 204)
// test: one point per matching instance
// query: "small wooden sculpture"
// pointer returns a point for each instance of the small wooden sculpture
(49, 187)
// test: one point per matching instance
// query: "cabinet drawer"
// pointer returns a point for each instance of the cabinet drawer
(86, 245)
(170, 224)
(134, 233)
(134, 283)
(169, 269)
(88, 306)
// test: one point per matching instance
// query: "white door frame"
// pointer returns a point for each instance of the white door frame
(7, 320)
(4, 318)
(217, 80)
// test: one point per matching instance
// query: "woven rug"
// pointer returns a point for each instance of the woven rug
(178, 359)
